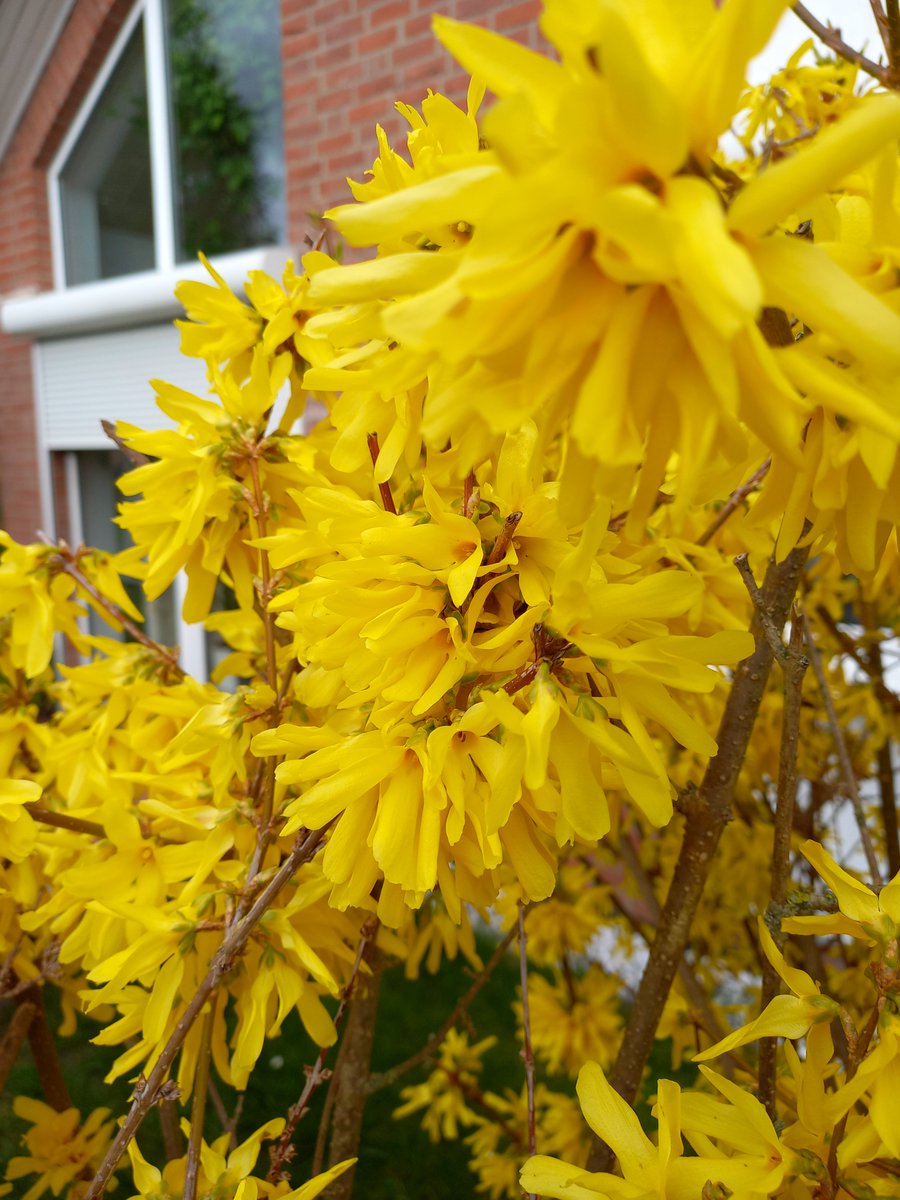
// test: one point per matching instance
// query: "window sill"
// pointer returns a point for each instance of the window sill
(140, 299)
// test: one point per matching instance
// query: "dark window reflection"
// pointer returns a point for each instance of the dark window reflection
(225, 64)
(105, 190)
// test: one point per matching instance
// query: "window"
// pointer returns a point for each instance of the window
(105, 187)
(178, 147)
(94, 474)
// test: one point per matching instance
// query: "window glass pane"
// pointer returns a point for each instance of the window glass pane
(98, 471)
(225, 64)
(105, 190)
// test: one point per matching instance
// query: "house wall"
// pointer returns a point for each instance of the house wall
(25, 261)
(345, 63)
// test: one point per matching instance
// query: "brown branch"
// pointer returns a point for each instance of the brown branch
(710, 811)
(794, 668)
(63, 821)
(227, 1124)
(134, 456)
(470, 495)
(880, 21)
(351, 1092)
(198, 1108)
(173, 1142)
(773, 637)
(325, 1119)
(384, 489)
(734, 501)
(504, 537)
(65, 560)
(692, 986)
(869, 663)
(476, 1096)
(46, 1055)
(150, 1093)
(859, 1051)
(389, 1077)
(259, 509)
(833, 40)
(282, 1152)
(840, 742)
(526, 1052)
(15, 1034)
(892, 44)
(887, 785)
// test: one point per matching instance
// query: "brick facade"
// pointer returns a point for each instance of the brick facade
(345, 63)
(25, 259)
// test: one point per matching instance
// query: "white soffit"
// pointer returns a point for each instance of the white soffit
(28, 33)
(128, 299)
(104, 376)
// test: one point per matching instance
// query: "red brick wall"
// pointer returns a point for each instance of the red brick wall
(346, 62)
(25, 262)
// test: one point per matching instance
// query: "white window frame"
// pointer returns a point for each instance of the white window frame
(191, 638)
(156, 71)
(129, 300)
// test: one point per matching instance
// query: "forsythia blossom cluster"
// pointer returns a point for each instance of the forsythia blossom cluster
(482, 621)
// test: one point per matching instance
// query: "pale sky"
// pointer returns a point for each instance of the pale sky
(853, 17)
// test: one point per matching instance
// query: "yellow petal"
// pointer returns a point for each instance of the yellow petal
(800, 278)
(544, 1176)
(445, 200)
(854, 899)
(785, 187)
(785, 1016)
(504, 66)
(798, 981)
(616, 1123)
(393, 275)
(714, 269)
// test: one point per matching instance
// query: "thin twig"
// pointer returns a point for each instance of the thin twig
(227, 1124)
(887, 784)
(695, 990)
(843, 755)
(45, 1052)
(316, 1075)
(859, 1051)
(794, 668)
(389, 1077)
(881, 21)
(318, 1161)
(709, 813)
(134, 456)
(833, 40)
(470, 495)
(198, 1108)
(233, 943)
(734, 501)
(173, 1142)
(384, 489)
(773, 637)
(259, 509)
(15, 1034)
(527, 1053)
(504, 537)
(64, 821)
(893, 35)
(476, 1096)
(64, 558)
